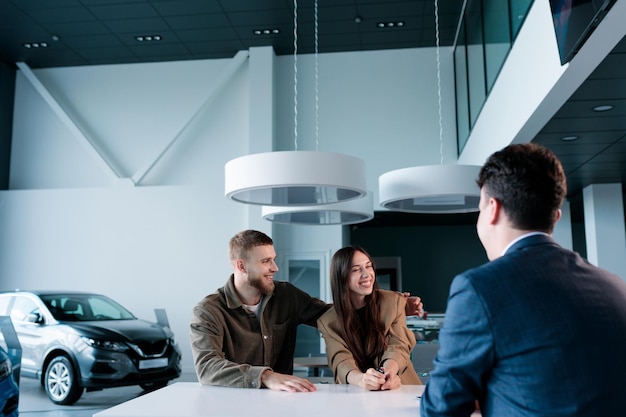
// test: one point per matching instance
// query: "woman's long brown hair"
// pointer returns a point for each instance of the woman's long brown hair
(369, 351)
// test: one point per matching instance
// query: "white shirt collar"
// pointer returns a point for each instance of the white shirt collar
(524, 236)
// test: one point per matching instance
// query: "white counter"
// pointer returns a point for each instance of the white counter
(190, 399)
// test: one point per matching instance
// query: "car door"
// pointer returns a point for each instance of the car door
(24, 315)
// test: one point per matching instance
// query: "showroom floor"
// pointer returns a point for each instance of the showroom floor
(35, 403)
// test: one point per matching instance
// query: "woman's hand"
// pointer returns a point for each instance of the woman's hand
(392, 381)
(371, 380)
(391, 370)
(383, 379)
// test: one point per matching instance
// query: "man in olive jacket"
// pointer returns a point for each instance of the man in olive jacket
(244, 335)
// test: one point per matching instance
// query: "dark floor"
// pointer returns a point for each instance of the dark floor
(35, 403)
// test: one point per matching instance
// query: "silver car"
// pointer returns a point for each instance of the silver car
(72, 341)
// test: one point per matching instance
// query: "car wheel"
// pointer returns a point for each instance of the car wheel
(152, 386)
(61, 383)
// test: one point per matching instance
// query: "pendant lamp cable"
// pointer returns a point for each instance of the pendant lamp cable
(432, 188)
(294, 179)
(295, 74)
(438, 80)
(317, 107)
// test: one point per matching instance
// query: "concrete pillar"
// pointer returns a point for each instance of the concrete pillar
(562, 232)
(261, 114)
(604, 227)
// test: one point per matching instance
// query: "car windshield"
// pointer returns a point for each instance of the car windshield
(85, 307)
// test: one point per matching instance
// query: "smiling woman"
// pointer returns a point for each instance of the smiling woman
(367, 341)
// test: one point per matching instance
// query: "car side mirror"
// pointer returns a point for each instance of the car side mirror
(35, 318)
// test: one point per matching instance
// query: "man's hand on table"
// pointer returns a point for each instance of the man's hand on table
(281, 382)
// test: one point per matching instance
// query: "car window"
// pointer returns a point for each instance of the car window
(22, 307)
(104, 310)
(85, 307)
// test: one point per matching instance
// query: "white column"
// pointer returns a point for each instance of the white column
(604, 227)
(562, 232)
(261, 75)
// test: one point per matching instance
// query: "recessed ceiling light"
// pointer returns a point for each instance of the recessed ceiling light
(397, 24)
(569, 138)
(147, 38)
(603, 107)
(259, 32)
(30, 45)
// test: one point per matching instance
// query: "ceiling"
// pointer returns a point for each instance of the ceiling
(94, 32)
(90, 32)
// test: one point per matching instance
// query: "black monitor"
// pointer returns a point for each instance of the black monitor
(574, 21)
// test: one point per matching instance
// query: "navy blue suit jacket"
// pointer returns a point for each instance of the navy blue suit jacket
(536, 332)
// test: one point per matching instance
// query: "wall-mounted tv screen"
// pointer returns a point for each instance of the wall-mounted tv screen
(574, 21)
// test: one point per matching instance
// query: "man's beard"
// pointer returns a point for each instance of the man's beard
(260, 284)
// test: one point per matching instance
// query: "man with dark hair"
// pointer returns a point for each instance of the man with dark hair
(537, 331)
(244, 335)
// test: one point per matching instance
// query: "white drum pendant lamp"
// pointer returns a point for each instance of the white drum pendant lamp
(295, 178)
(289, 179)
(431, 188)
(347, 212)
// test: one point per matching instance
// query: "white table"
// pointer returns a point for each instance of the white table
(190, 399)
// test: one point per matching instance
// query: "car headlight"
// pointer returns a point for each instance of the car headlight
(5, 369)
(105, 344)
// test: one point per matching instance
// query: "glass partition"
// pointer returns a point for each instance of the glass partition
(486, 34)
(461, 88)
(519, 10)
(497, 38)
(475, 59)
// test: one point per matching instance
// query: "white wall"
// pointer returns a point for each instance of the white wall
(66, 224)
(380, 106)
